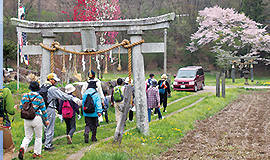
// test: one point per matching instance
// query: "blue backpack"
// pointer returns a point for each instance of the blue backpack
(161, 90)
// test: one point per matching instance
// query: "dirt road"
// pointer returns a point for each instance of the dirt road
(239, 131)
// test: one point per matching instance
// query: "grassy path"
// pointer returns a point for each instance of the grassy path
(81, 152)
(77, 152)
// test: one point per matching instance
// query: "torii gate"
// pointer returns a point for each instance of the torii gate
(133, 27)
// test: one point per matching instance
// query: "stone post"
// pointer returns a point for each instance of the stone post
(139, 82)
(48, 39)
(165, 51)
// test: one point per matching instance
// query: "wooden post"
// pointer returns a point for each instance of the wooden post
(251, 72)
(218, 85)
(120, 126)
(223, 84)
(233, 72)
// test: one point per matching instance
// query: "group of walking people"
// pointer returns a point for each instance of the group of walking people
(47, 98)
(157, 94)
(42, 102)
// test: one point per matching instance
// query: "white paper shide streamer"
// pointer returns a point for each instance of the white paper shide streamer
(83, 63)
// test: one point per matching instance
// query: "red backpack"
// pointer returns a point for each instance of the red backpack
(67, 111)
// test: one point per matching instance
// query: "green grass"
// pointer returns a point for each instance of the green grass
(163, 134)
(210, 80)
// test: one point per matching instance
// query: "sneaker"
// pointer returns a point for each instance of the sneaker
(48, 149)
(37, 156)
(94, 140)
(21, 153)
(86, 138)
(69, 140)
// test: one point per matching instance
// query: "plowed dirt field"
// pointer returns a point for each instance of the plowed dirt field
(239, 131)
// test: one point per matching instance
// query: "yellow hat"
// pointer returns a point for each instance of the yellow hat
(53, 76)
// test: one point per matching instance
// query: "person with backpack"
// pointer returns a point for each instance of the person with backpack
(32, 105)
(92, 79)
(132, 108)
(164, 91)
(68, 110)
(117, 98)
(92, 109)
(106, 106)
(7, 107)
(153, 100)
(148, 82)
(52, 97)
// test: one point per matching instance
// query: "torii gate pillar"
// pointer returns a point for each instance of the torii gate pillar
(48, 39)
(139, 84)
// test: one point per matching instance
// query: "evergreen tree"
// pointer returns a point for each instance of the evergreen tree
(254, 9)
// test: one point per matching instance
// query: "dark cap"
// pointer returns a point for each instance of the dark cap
(154, 83)
(119, 81)
(151, 75)
(91, 74)
(34, 86)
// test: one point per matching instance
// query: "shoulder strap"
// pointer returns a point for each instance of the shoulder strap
(93, 93)
(31, 100)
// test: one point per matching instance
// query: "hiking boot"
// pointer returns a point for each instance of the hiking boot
(86, 138)
(37, 156)
(21, 153)
(69, 139)
(48, 149)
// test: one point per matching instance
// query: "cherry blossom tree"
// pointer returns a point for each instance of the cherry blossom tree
(229, 34)
(97, 10)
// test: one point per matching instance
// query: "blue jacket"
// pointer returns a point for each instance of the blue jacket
(97, 102)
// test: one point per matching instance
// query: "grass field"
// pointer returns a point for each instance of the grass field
(163, 133)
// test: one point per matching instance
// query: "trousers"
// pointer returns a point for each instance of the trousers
(31, 126)
(91, 125)
(8, 144)
(49, 130)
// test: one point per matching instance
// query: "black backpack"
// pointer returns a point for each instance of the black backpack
(28, 111)
(44, 93)
(89, 106)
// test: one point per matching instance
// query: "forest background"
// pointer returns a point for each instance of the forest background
(177, 39)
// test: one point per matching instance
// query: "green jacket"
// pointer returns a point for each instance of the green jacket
(6, 106)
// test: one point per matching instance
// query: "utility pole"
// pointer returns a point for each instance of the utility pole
(39, 10)
(18, 52)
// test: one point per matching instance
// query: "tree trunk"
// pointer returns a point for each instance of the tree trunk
(121, 124)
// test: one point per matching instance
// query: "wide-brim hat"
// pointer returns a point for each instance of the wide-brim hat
(127, 80)
(164, 76)
(34, 86)
(69, 88)
(53, 76)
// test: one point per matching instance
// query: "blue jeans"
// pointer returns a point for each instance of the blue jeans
(149, 114)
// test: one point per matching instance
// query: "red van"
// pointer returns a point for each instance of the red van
(189, 78)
